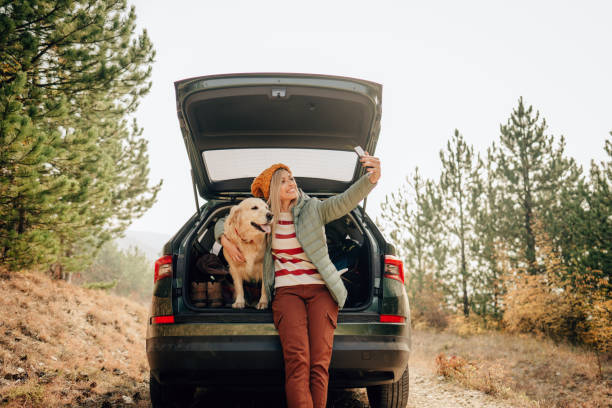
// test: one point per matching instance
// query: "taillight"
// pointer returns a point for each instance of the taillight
(394, 268)
(163, 268)
(392, 319)
(163, 319)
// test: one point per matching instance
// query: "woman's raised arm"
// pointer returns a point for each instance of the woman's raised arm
(341, 204)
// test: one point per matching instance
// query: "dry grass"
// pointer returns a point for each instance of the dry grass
(65, 346)
(62, 345)
(528, 371)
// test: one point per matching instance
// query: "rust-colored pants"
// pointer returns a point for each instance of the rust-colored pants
(305, 316)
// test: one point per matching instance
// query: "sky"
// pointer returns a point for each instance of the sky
(444, 65)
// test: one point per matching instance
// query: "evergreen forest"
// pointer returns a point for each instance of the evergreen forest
(74, 168)
(518, 237)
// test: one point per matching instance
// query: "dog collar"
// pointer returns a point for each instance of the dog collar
(243, 240)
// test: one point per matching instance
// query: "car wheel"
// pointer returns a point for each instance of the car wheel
(394, 395)
(169, 395)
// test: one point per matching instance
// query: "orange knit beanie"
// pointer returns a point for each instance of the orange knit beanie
(261, 185)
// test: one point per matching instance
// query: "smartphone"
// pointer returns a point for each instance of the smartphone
(360, 152)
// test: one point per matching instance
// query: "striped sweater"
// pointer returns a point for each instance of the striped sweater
(291, 265)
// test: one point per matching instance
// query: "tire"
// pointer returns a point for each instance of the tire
(169, 395)
(394, 395)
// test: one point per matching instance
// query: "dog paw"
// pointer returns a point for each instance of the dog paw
(238, 304)
(262, 305)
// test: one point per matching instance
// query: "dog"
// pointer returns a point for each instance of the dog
(246, 227)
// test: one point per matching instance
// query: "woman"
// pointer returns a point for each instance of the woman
(308, 290)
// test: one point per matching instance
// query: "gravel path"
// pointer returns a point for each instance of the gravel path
(427, 391)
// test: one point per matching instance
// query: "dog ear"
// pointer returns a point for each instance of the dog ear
(234, 215)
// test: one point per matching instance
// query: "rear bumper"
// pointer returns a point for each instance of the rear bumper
(237, 359)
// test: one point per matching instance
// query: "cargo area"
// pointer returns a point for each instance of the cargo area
(210, 286)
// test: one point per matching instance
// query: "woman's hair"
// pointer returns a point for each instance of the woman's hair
(274, 201)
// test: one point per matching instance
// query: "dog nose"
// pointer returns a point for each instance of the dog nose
(269, 216)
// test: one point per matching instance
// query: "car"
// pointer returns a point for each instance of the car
(233, 127)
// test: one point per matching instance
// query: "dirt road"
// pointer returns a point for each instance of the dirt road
(427, 391)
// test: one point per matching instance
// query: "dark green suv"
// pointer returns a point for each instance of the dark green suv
(233, 127)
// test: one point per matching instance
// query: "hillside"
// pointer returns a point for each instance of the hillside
(62, 345)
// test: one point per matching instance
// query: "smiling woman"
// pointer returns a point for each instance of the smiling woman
(305, 286)
(287, 191)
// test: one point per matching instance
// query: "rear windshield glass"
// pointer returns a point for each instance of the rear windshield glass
(248, 163)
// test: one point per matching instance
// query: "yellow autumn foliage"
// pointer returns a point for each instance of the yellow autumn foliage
(558, 303)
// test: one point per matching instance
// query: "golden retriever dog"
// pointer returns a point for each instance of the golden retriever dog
(246, 227)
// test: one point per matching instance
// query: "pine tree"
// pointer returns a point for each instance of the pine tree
(460, 187)
(74, 173)
(28, 189)
(532, 172)
(489, 248)
(587, 236)
(599, 239)
(408, 216)
(405, 225)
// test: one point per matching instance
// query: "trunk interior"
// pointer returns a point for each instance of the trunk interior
(210, 286)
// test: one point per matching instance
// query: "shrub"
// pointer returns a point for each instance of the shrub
(28, 394)
(560, 303)
(467, 326)
(534, 304)
(490, 380)
(101, 285)
(453, 367)
(427, 306)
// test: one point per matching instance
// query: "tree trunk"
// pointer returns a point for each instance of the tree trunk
(528, 207)
(56, 270)
(466, 304)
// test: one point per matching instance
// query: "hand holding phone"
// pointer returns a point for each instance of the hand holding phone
(361, 153)
(371, 164)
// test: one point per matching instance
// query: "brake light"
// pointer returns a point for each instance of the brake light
(163, 268)
(392, 319)
(394, 268)
(163, 319)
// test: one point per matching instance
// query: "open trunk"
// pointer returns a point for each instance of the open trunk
(236, 125)
(349, 249)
